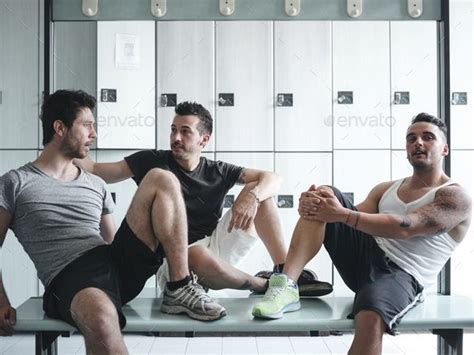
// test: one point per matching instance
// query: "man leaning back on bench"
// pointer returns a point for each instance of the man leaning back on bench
(388, 249)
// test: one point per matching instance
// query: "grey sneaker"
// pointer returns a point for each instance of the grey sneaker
(192, 300)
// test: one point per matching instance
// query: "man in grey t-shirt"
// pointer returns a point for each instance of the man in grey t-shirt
(62, 217)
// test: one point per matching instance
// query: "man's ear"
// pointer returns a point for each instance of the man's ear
(445, 150)
(205, 139)
(59, 127)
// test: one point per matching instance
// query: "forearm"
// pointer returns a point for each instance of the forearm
(267, 186)
(383, 225)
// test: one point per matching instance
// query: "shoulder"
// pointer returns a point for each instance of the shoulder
(16, 175)
(454, 196)
(380, 189)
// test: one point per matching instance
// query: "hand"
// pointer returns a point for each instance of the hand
(320, 204)
(7, 320)
(243, 212)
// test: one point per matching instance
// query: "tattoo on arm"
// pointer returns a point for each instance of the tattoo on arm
(241, 179)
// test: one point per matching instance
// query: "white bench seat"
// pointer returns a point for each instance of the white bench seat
(446, 316)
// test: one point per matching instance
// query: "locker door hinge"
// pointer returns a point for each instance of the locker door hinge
(292, 7)
(158, 8)
(415, 8)
(226, 7)
(354, 8)
(90, 7)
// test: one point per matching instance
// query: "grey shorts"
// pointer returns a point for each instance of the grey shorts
(378, 283)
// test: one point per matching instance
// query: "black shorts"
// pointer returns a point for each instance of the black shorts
(119, 269)
(378, 283)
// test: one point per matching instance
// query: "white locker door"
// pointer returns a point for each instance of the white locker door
(185, 67)
(258, 258)
(19, 74)
(401, 168)
(462, 72)
(361, 66)
(462, 262)
(244, 68)
(299, 172)
(413, 58)
(126, 64)
(15, 263)
(357, 172)
(303, 69)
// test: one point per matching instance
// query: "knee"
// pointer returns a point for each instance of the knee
(96, 321)
(369, 322)
(162, 180)
(200, 258)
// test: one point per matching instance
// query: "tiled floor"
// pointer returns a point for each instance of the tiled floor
(412, 344)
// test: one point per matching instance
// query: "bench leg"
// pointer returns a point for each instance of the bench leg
(46, 343)
(449, 341)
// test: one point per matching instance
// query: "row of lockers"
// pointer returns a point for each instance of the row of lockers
(388, 70)
(354, 172)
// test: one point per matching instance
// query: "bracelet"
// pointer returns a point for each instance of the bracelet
(256, 197)
(357, 220)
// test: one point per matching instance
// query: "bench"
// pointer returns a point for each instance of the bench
(445, 316)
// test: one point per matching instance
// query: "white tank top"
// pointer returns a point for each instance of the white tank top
(422, 257)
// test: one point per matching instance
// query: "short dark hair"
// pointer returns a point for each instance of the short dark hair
(425, 117)
(188, 108)
(63, 105)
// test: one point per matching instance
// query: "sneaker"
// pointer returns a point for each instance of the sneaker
(308, 283)
(193, 300)
(281, 297)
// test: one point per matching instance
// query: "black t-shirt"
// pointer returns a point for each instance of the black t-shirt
(203, 189)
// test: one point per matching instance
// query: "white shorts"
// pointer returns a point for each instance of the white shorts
(233, 247)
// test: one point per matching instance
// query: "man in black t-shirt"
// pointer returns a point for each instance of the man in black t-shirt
(216, 244)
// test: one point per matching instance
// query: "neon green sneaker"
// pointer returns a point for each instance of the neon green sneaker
(282, 296)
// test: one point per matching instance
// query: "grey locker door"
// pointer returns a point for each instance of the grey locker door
(19, 76)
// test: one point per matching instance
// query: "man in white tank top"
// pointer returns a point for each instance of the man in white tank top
(387, 248)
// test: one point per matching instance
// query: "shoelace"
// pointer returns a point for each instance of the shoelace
(273, 292)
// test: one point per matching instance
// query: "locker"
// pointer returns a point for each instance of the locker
(462, 262)
(75, 69)
(357, 172)
(361, 49)
(185, 67)
(401, 168)
(303, 69)
(15, 263)
(244, 69)
(462, 73)
(414, 70)
(19, 75)
(126, 85)
(299, 172)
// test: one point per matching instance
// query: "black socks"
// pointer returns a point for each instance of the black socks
(174, 285)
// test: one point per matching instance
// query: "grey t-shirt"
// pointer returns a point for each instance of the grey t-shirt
(55, 221)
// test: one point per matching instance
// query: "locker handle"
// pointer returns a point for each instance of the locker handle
(415, 8)
(158, 8)
(226, 7)
(90, 7)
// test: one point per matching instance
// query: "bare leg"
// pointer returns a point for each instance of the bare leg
(216, 273)
(306, 242)
(269, 229)
(368, 334)
(157, 214)
(97, 318)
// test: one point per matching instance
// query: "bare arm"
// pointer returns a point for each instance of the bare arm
(267, 183)
(7, 312)
(260, 185)
(109, 172)
(450, 208)
(107, 227)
